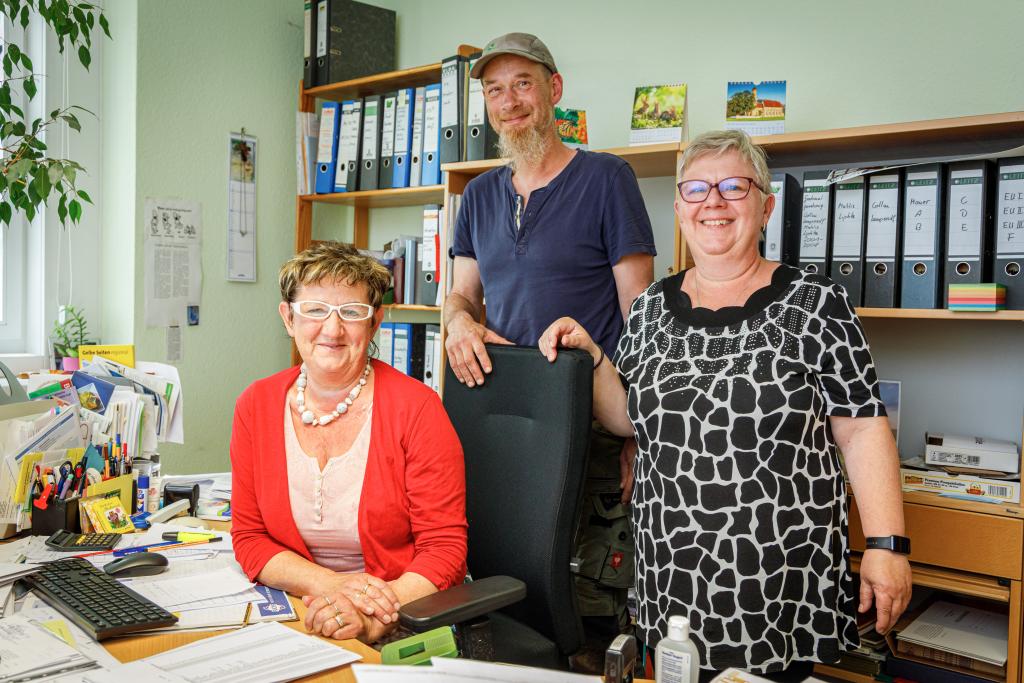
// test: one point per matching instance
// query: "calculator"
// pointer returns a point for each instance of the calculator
(68, 541)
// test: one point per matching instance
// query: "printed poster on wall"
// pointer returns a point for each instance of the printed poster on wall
(173, 272)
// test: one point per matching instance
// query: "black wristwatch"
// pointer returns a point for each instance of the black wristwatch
(897, 544)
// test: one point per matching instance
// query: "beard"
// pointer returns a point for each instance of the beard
(527, 145)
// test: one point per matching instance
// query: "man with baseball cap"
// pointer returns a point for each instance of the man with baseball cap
(557, 232)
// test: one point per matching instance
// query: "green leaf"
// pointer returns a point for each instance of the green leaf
(72, 122)
(30, 211)
(62, 208)
(5, 213)
(69, 173)
(75, 210)
(26, 62)
(85, 196)
(14, 51)
(30, 87)
(55, 172)
(104, 25)
(24, 16)
(83, 56)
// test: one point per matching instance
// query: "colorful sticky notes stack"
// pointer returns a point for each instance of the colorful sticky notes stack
(987, 296)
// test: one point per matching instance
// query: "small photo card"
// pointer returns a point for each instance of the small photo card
(757, 108)
(659, 114)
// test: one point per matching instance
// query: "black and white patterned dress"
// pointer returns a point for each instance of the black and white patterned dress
(739, 504)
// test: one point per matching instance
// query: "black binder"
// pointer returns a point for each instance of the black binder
(309, 45)
(1009, 249)
(481, 138)
(387, 142)
(970, 198)
(369, 167)
(849, 217)
(359, 40)
(924, 220)
(882, 253)
(350, 146)
(782, 234)
(815, 222)
(453, 96)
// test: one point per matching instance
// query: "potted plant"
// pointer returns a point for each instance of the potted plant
(68, 335)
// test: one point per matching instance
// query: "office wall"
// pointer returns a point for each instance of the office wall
(206, 68)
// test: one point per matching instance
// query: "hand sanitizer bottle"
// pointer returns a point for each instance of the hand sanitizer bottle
(676, 659)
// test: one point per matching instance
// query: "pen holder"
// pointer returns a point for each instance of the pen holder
(59, 514)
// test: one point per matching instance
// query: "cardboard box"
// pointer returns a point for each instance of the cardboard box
(942, 482)
(974, 452)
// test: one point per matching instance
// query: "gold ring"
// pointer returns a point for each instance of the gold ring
(336, 610)
(328, 600)
(337, 618)
(366, 587)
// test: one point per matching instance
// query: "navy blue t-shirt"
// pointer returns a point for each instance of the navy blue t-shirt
(559, 261)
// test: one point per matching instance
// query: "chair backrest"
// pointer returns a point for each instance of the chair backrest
(525, 433)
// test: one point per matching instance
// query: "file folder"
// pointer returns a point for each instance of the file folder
(417, 350)
(349, 143)
(1010, 231)
(432, 358)
(782, 234)
(432, 136)
(426, 281)
(969, 210)
(846, 267)
(403, 135)
(386, 343)
(416, 153)
(411, 279)
(320, 43)
(308, 44)
(327, 147)
(481, 138)
(815, 222)
(369, 165)
(359, 41)
(881, 266)
(453, 96)
(387, 142)
(924, 214)
(402, 338)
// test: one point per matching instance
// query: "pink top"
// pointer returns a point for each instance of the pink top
(325, 504)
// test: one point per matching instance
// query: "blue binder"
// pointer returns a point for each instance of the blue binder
(432, 136)
(403, 138)
(327, 148)
(402, 354)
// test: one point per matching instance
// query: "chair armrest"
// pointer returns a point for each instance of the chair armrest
(461, 603)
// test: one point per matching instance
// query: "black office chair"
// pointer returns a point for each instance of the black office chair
(525, 434)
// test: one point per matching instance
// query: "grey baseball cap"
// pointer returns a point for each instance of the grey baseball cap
(521, 44)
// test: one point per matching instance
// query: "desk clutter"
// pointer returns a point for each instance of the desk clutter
(965, 468)
(56, 596)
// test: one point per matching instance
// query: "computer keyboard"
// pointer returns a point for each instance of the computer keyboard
(95, 601)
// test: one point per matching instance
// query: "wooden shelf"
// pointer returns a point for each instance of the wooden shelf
(376, 199)
(1014, 510)
(473, 167)
(985, 134)
(649, 161)
(412, 307)
(841, 674)
(937, 314)
(961, 583)
(377, 83)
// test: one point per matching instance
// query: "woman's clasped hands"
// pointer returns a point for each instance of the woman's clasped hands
(353, 606)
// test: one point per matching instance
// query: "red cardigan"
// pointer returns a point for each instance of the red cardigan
(412, 509)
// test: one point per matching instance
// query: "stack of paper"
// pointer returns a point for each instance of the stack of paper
(264, 653)
(465, 671)
(961, 630)
(28, 651)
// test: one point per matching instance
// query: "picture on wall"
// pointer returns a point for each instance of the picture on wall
(659, 114)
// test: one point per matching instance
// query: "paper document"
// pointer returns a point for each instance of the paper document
(132, 672)
(443, 669)
(221, 587)
(264, 653)
(40, 612)
(961, 630)
(173, 269)
(29, 650)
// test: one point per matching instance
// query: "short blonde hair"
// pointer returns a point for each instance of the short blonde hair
(718, 142)
(334, 262)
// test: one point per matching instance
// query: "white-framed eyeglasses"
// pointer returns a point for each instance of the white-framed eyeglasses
(318, 310)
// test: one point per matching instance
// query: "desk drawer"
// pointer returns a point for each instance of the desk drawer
(968, 541)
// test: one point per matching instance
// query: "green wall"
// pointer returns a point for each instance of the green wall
(206, 68)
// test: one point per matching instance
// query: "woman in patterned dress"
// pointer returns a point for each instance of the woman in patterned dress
(740, 378)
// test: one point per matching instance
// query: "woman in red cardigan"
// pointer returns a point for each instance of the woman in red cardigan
(348, 480)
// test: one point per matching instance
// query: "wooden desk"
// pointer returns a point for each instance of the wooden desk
(137, 647)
